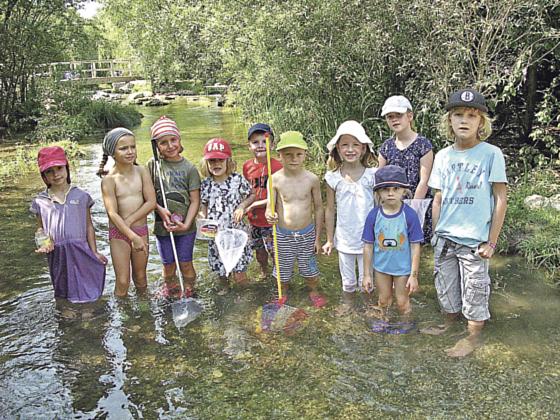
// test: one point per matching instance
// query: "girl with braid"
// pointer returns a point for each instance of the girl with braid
(129, 196)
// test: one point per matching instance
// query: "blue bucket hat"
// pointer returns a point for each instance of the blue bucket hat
(259, 127)
(390, 176)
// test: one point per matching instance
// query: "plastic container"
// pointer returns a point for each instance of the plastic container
(206, 229)
(42, 239)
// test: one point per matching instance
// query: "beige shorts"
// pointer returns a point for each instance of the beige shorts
(461, 279)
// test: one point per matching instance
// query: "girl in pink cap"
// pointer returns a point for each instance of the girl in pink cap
(65, 231)
(224, 196)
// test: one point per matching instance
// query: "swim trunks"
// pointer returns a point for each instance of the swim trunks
(115, 233)
(296, 245)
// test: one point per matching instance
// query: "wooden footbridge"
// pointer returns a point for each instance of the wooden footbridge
(92, 72)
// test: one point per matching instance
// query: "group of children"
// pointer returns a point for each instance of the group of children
(374, 228)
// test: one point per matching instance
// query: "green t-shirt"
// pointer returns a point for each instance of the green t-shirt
(179, 178)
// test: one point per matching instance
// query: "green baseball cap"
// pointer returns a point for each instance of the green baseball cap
(291, 139)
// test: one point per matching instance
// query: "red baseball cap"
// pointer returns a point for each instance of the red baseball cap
(51, 156)
(217, 149)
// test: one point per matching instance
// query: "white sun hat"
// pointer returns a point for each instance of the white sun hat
(398, 104)
(352, 128)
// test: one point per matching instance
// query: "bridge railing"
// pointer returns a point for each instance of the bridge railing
(90, 69)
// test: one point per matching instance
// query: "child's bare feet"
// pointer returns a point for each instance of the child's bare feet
(435, 329)
(464, 347)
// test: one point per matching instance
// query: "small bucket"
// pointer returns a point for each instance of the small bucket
(206, 229)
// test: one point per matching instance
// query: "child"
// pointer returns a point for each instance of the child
(392, 237)
(350, 182)
(470, 201)
(129, 196)
(297, 194)
(63, 214)
(181, 183)
(256, 172)
(224, 196)
(409, 150)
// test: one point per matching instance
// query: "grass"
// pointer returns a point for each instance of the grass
(533, 233)
(22, 159)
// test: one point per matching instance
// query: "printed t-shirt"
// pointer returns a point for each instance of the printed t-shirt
(179, 179)
(391, 236)
(465, 179)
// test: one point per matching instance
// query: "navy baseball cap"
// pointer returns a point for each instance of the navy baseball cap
(265, 128)
(467, 97)
(390, 176)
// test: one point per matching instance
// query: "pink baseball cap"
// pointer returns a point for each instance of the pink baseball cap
(51, 156)
(217, 149)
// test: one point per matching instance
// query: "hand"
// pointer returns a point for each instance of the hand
(102, 258)
(138, 244)
(485, 251)
(179, 227)
(272, 219)
(412, 285)
(367, 284)
(165, 217)
(46, 249)
(317, 246)
(327, 248)
(238, 214)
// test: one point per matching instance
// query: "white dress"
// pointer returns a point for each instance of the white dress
(354, 200)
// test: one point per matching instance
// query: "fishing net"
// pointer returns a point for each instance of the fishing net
(274, 317)
(231, 244)
(185, 311)
(420, 206)
(394, 328)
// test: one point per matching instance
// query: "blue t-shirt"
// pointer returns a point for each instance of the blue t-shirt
(465, 179)
(391, 236)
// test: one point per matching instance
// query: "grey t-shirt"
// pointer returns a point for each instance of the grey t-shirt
(179, 179)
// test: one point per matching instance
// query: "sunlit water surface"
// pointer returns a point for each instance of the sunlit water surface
(123, 359)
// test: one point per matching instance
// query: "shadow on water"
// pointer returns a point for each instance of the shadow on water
(126, 359)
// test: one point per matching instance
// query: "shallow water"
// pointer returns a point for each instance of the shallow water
(126, 359)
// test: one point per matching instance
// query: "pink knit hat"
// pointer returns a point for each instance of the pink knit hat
(164, 127)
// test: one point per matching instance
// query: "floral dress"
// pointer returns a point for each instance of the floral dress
(409, 160)
(221, 199)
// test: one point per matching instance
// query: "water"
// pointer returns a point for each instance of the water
(123, 359)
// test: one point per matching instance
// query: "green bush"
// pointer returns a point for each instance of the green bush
(535, 234)
(106, 115)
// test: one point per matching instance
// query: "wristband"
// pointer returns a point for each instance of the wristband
(491, 244)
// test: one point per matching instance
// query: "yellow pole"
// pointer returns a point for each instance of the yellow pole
(272, 209)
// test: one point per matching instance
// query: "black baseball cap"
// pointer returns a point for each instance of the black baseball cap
(265, 128)
(467, 97)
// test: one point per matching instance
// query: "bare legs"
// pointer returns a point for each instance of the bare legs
(127, 261)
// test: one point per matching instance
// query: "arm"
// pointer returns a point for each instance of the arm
(381, 161)
(318, 210)
(149, 194)
(368, 258)
(499, 189)
(241, 209)
(271, 218)
(203, 211)
(436, 209)
(412, 283)
(426, 163)
(329, 221)
(256, 204)
(112, 208)
(91, 239)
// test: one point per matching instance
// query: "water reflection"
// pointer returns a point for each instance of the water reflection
(126, 359)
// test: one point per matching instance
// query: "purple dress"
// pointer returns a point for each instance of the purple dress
(409, 160)
(76, 273)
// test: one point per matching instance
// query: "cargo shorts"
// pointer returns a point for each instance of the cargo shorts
(461, 279)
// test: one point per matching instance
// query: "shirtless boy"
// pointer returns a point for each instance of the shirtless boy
(299, 217)
(129, 196)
